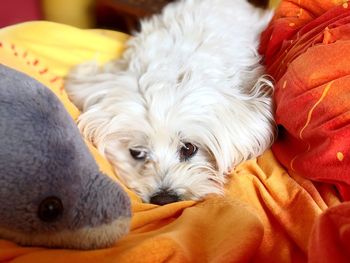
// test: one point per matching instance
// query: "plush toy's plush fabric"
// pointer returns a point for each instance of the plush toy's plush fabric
(307, 51)
(266, 216)
(52, 193)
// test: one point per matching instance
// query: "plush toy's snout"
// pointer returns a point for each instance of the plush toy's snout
(51, 191)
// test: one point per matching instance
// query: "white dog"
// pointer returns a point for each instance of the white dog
(185, 104)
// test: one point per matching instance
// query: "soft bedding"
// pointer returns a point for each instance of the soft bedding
(268, 214)
(307, 51)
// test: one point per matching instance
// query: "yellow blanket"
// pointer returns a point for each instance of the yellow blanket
(266, 215)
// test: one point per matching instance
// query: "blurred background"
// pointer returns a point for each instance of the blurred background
(120, 15)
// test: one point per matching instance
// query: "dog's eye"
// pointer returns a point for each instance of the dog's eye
(139, 155)
(187, 151)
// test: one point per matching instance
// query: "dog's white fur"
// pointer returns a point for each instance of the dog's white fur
(192, 74)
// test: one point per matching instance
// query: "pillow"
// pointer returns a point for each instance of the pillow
(307, 51)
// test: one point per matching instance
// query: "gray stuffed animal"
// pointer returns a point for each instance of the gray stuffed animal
(51, 191)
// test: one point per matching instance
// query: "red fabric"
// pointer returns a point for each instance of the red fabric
(307, 51)
(330, 240)
(16, 11)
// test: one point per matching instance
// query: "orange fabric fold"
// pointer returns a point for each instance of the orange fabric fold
(331, 236)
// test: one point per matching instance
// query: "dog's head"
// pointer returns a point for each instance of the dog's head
(177, 141)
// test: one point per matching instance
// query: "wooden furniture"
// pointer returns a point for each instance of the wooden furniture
(124, 15)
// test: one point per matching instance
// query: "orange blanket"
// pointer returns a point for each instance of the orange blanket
(267, 215)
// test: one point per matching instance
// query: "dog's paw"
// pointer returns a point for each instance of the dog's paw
(78, 81)
(83, 70)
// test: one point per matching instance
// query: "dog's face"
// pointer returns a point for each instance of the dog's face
(163, 165)
(176, 139)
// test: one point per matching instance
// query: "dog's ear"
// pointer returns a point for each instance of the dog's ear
(241, 128)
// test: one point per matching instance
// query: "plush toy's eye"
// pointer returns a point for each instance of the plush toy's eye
(137, 154)
(187, 151)
(50, 209)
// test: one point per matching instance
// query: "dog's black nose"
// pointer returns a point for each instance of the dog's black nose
(164, 197)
